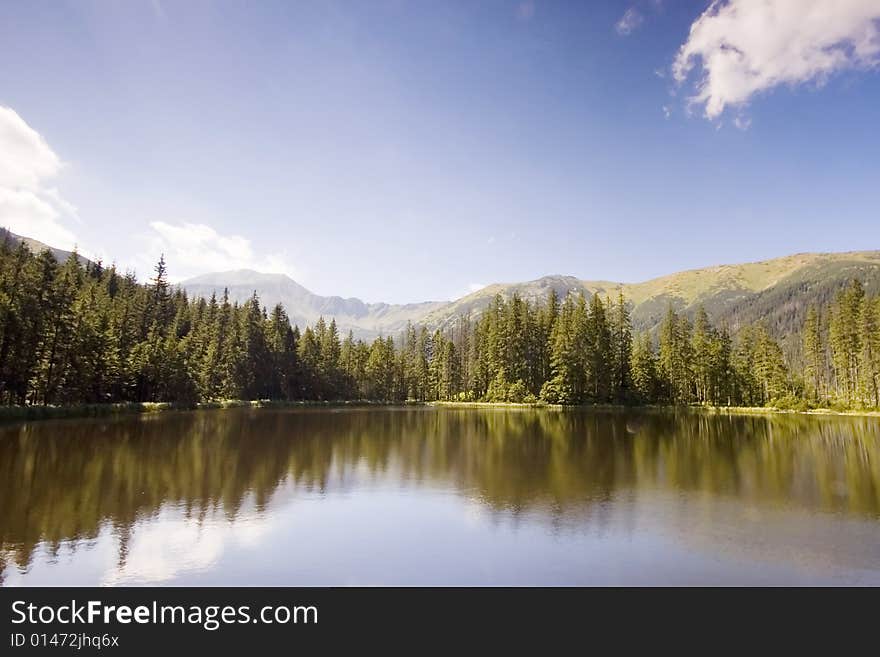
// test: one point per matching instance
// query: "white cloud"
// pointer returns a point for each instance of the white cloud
(27, 206)
(30, 214)
(744, 47)
(192, 249)
(26, 157)
(629, 22)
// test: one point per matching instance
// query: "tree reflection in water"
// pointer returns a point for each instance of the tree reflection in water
(63, 481)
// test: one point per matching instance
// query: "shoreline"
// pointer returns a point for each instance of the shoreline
(720, 410)
(37, 413)
(10, 414)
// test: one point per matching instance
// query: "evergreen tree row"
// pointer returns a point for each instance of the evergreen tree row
(73, 334)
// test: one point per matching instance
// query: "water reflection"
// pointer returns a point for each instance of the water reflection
(217, 495)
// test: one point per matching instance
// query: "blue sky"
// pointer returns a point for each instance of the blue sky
(403, 151)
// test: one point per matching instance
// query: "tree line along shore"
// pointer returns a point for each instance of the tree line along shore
(76, 334)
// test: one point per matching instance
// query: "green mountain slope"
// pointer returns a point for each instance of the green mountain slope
(777, 291)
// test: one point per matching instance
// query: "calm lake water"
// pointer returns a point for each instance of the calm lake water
(440, 496)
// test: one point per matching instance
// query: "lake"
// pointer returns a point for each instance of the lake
(440, 496)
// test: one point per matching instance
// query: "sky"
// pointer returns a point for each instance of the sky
(403, 151)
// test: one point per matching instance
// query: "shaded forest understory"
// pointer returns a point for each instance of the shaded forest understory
(73, 333)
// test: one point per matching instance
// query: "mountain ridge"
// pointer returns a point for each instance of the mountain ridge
(362, 318)
(686, 288)
(776, 291)
(725, 290)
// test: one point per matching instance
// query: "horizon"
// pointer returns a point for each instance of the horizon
(538, 278)
(398, 153)
(176, 281)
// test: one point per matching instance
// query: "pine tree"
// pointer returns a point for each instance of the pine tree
(845, 338)
(747, 391)
(221, 320)
(644, 370)
(546, 323)
(380, 370)
(566, 373)
(621, 351)
(450, 374)
(58, 346)
(769, 366)
(675, 357)
(309, 356)
(723, 386)
(870, 356)
(598, 353)
(256, 368)
(814, 355)
(703, 348)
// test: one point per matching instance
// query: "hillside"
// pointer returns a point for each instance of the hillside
(777, 291)
(36, 246)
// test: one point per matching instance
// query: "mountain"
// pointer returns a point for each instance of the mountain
(365, 320)
(36, 246)
(776, 291)
(769, 289)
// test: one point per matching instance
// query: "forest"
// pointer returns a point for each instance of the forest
(77, 332)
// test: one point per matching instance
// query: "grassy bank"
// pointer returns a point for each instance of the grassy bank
(764, 410)
(31, 413)
(21, 413)
(721, 410)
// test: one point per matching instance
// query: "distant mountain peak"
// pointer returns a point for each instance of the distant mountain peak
(304, 307)
(238, 277)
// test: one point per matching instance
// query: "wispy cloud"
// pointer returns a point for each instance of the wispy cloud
(630, 21)
(744, 47)
(158, 9)
(192, 249)
(28, 206)
(525, 10)
(742, 123)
